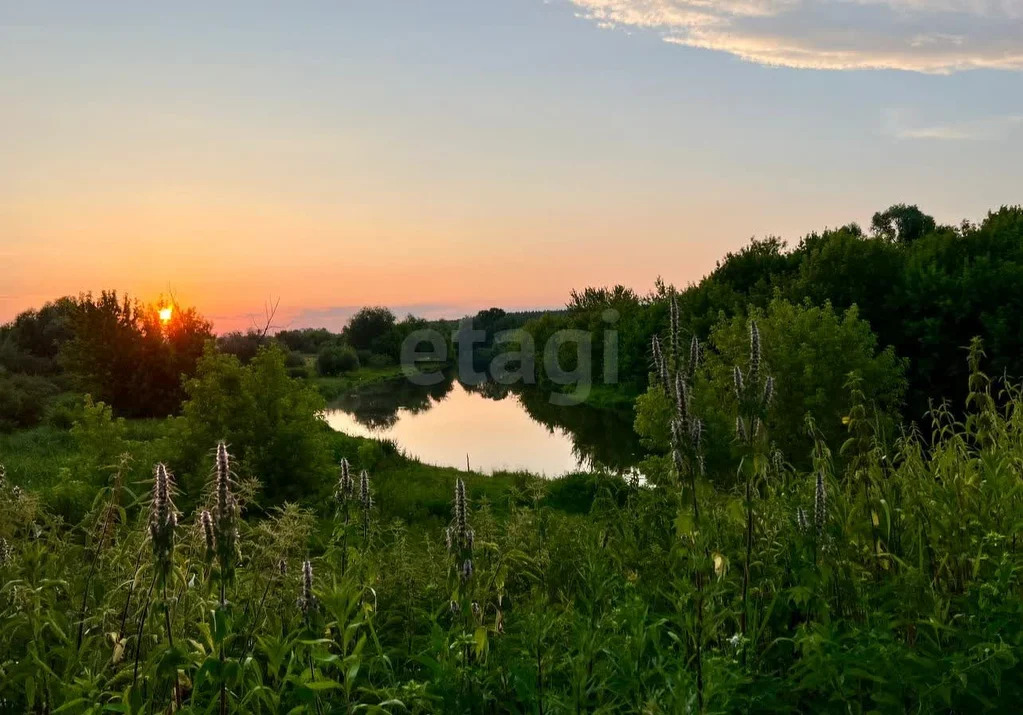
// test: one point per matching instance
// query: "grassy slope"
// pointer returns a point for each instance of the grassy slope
(67, 473)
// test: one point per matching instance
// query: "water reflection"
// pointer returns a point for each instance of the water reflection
(495, 427)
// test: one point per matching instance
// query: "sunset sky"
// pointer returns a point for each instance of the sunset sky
(440, 156)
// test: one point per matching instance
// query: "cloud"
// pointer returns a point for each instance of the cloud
(902, 126)
(931, 36)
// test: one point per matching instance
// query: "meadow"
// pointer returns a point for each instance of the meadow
(827, 518)
(891, 584)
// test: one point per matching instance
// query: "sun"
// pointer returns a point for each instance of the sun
(165, 314)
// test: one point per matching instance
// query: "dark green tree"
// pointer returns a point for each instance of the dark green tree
(902, 224)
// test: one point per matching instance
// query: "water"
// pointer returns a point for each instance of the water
(495, 428)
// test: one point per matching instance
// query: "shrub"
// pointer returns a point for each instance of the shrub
(23, 400)
(334, 360)
(379, 360)
(269, 420)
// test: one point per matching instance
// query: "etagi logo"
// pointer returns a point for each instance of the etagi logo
(566, 360)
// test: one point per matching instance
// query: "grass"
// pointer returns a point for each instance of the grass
(333, 387)
(35, 458)
(67, 472)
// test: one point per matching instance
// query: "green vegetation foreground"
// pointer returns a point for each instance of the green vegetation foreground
(890, 585)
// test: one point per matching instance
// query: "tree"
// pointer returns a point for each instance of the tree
(810, 351)
(124, 355)
(270, 421)
(846, 268)
(306, 340)
(368, 327)
(31, 342)
(957, 287)
(902, 224)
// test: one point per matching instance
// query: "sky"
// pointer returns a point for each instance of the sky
(445, 156)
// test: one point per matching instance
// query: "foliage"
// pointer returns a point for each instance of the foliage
(243, 346)
(810, 352)
(307, 340)
(32, 341)
(902, 224)
(334, 360)
(926, 290)
(896, 586)
(369, 329)
(23, 399)
(270, 421)
(122, 354)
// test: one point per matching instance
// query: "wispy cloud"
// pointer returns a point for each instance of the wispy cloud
(903, 125)
(931, 36)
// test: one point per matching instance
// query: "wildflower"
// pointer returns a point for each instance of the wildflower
(677, 430)
(459, 536)
(307, 601)
(345, 484)
(740, 429)
(820, 504)
(768, 392)
(226, 512)
(694, 356)
(282, 567)
(3, 476)
(206, 520)
(801, 519)
(695, 432)
(476, 611)
(454, 607)
(740, 390)
(366, 500)
(673, 310)
(6, 552)
(777, 461)
(754, 352)
(681, 399)
(660, 364)
(162, 518)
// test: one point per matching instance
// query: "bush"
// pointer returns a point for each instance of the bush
(811, 352)
(23, 400)
(63, 410)
(379, 360)
(270, 420)
(334, 360)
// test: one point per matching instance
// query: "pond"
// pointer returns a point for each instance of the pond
(489, 426)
